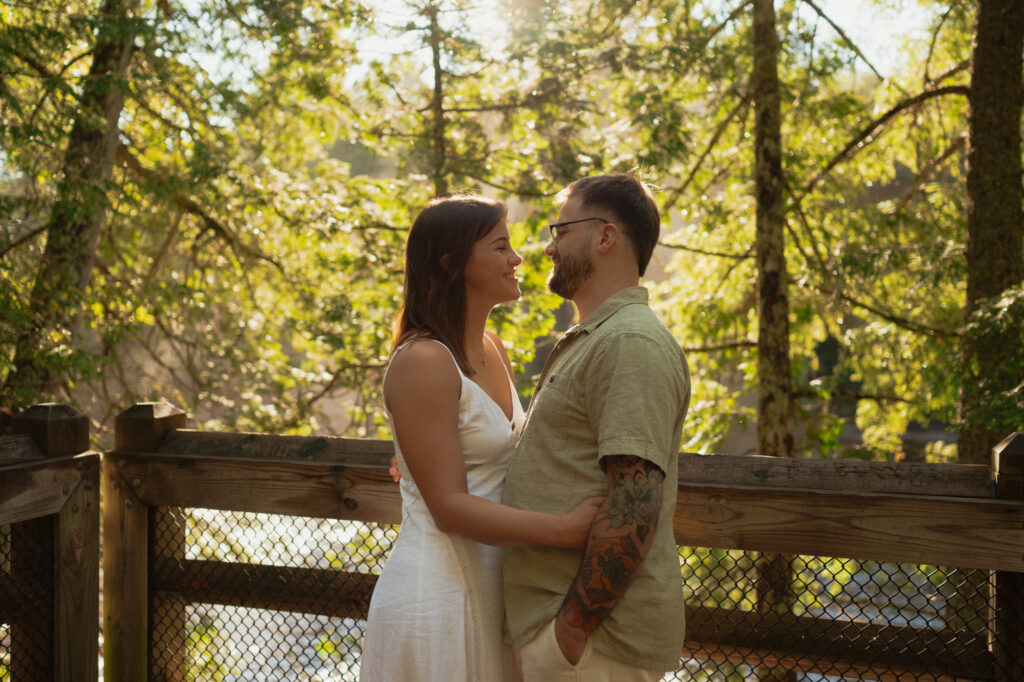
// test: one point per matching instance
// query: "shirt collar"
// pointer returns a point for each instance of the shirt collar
(609, 307)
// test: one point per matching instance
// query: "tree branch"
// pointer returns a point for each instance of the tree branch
(510, 190)
(901, 322)
(952, 71)
(724, 345)
(719, 131)
(846, 38)
(28, 236)
(192, 207)
(935, 37)
(922, 176)
(485, 107)
(856, 395)
(717, 254)
(858, 140)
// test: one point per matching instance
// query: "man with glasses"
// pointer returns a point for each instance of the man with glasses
(606, 419)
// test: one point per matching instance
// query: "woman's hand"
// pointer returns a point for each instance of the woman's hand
(579, 520)
(396, 475)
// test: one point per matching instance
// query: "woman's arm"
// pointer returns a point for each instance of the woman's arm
(422, 392)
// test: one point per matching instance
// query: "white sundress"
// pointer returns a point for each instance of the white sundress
(437, 612)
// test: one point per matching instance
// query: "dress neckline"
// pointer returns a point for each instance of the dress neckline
(508, 377)
(512, 397)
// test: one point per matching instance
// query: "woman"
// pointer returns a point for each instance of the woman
(436, 611)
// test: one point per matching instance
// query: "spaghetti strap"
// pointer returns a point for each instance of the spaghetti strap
(507, 373)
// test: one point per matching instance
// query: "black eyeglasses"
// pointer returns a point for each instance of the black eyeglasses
(553, 227)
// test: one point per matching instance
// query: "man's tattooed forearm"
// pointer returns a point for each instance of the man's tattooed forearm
(619, 541)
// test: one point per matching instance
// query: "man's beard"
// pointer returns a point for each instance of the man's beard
(570, 274)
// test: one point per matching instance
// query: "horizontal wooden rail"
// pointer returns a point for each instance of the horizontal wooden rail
(36, 488)
(943, 531)
(321, 490)
(842, 475)
(831, 667)
(344, 594)
(957, 654)
(864, 513)
(348, 451)
(18, 448)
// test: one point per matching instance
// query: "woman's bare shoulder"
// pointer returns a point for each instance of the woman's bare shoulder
(424, 363)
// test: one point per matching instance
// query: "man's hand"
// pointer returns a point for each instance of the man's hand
(572, 641)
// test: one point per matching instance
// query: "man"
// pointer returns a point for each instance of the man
(606, 419)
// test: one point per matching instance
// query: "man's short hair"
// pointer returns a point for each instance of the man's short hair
(630, 200)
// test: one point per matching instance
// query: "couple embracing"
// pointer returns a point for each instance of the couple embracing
(534, 547)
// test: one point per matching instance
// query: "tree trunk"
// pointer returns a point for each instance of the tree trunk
(995, 247)
(995, 223)
(775, 383)
(78, 213)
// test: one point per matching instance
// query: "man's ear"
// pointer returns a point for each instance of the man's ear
(607, 239)
(446, 259)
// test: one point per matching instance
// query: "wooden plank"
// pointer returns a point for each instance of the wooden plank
(286, 487)
(76, 577)
(966, 533)
(35, 489)
(709, 651)
(348, 451)
(125, 581)
(841, 475)
(828, 640)
(339, 594)
(18, 448)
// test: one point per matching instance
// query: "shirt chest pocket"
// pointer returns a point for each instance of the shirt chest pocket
(556, 411)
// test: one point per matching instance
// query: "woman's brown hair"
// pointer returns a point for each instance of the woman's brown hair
(438, 248)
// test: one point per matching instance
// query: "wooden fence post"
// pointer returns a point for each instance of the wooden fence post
(68, 544)
(1008, 587)
(57, 430)
(139, 429)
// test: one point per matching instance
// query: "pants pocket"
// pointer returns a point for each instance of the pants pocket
(555, 652)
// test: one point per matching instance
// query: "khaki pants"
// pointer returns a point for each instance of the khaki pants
(543, 662)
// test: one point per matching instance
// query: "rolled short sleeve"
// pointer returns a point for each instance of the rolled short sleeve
(634, 397)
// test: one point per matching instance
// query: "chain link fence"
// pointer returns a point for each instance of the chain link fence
(824, 618)
(26, 600)
(286, 596)
(243, 596)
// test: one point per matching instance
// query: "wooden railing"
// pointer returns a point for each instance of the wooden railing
(49, 585)
(964, 516)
